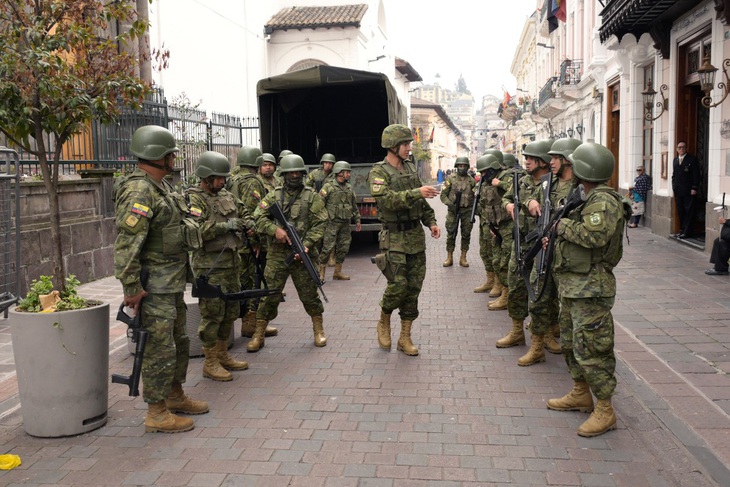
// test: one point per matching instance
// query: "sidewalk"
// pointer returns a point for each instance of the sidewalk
(460, 413)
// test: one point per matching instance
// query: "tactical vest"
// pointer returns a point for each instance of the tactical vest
(296, 211)
(222, 207)
(463, 184)
(491, 203)
(401, 182)
(339, 201)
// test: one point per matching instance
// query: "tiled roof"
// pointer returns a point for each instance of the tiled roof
(313, 17)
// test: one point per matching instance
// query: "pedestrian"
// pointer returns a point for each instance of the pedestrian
(685, 185)
(720, 250)
(341, 204)
(151, 241)
(223, 220)
(400, 197)
(458, 195)
(304, 209)
(640, 189)
(588, 246)
(249, 188)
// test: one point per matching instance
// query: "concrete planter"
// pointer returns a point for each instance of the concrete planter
(62, 364)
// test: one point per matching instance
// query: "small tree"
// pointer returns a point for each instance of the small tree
(63, 64)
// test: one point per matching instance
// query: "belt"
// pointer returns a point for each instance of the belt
(403, 226)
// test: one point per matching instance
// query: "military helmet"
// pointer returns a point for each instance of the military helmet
(211, 163)
(592, 162)
(539, 149)
(509, 160)
(488, 161)
(461, 160)
(248, 156)
(283, 153)
(564, 147)
(341, 166)
(292, 163)
(152, 143)
(327, 158)
(496, 153)
(265, 157)
(394, 135)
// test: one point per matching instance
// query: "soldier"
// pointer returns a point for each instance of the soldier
(267, 168)
(304, 209)
(588, 246)
(536, 165)
(339, 199)
(401, 201)
(246, 186)
(149, 218)
(319, 176)
(222, 219)
(458, 189)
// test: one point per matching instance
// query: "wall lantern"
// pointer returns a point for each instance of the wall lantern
(579, 129)
(570, 132)
(707, 81)
(649, 93)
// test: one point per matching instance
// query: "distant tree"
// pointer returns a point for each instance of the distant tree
(461, 86)
(63, 64)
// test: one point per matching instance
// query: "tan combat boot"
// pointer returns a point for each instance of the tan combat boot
(384, 331)
(516, 336)
(462, 259)
(501, 302)
(257, 340)
(488, 284)
(551, 344)
(228, 362)
(331, 261)
(496, 290)
(178, 402)
(160, 419)
(535, 354)
(212, 367)
(248, 326)
(578, 399)
(318, 327)
(338, 275)
(322, 271)
(405, 344)
(601, 420)
(449, 259)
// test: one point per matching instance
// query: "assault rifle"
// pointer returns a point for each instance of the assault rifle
(297, 247)
(139, 337)
(516, 234)
(457, 205)
(203, 289)
(475, 205)
(575, 199)
(546, 182)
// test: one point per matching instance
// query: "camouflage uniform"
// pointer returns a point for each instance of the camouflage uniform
(317, 179)
(219, 259)
(305, 210)
(588, 246)
(492, 211)
(458, 216)
(402, 212)
(149, 216)
(339, 200)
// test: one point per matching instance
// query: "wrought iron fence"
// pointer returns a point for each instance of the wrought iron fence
(570, 72)
(106, 146)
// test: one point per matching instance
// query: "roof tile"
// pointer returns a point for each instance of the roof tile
(314, 17)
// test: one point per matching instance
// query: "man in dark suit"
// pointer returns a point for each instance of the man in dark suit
(685, 184)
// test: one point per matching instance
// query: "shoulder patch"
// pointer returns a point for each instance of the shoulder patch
(264, 205)
(323, 192)
(195, 211)
(378, 181)
(131, 221)
(140, 209)
(447, 183)
(256, 194)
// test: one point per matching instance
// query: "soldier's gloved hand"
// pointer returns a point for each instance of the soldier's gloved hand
(235, 225)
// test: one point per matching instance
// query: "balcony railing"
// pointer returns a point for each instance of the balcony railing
(570, 72)
(548, 91)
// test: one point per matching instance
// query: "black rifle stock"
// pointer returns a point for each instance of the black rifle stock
(297, 247)
(139, 337)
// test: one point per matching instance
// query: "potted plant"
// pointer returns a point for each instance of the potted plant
(64, 64)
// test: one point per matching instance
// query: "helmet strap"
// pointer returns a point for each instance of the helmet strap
(161, 167)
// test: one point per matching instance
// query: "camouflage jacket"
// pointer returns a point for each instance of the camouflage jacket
(317, 178)
(455, 184)
(249, 188)
(528, 188)
(149, 222)
(589, 245)
(339, 199)
(401, 207)
(303, 208)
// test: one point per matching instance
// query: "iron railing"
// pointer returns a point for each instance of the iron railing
(570, 72)
(548, 91)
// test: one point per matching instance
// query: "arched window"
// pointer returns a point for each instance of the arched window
(306, 63)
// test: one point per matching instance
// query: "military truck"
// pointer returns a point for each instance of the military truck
(331, 109)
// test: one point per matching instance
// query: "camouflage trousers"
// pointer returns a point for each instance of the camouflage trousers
(586, 338)
(276, 274)
(168, 346)
(544, 311)
(249, 278)
(216, 315)
(463, 218)
(517, 306)
(486, 246)
(337, 236)
(502, 253)
(401, 293)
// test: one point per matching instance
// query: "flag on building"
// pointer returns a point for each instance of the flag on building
(430, 139)
(558, 9)
(507, 98)
(417, 135)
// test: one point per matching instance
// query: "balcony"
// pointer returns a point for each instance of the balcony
(571, 71)
(548, 104)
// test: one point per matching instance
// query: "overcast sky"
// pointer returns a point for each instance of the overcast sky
(207, 41)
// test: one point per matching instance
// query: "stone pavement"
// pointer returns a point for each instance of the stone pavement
(460, 413)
